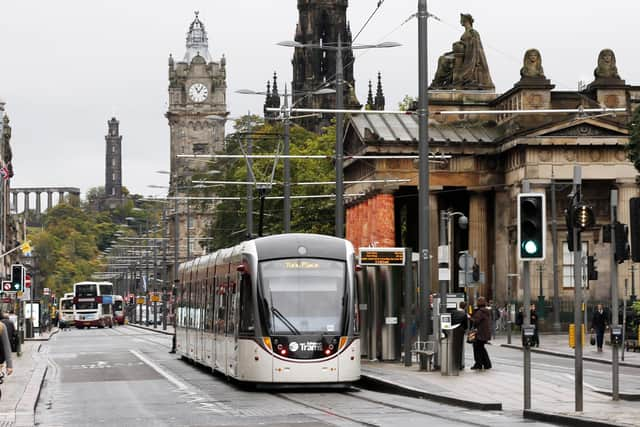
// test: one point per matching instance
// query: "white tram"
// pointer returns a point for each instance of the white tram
(281, 310)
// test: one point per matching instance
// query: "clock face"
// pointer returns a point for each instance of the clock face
(198, 92)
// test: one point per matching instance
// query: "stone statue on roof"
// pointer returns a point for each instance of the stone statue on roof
(606, 65)
(532, 65)
(465, 67)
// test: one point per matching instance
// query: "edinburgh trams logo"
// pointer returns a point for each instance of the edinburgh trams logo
(305, 346)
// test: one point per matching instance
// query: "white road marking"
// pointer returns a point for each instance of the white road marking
(589, 386)
(173, 380)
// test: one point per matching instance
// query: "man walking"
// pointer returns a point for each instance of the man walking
(599, 323)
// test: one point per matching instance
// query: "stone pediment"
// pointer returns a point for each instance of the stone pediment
(587, 127)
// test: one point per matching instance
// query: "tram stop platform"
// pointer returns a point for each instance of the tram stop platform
(502, 387)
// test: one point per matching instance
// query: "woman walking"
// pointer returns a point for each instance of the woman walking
(481, 319)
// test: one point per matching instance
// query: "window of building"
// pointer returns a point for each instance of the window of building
(567, 263)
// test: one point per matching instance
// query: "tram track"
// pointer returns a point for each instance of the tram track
(312, 401)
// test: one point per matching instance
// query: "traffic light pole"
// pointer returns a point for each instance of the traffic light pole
(577, 285)
(614, 297)
(526, 302)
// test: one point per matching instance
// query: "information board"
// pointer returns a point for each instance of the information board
(382, 256)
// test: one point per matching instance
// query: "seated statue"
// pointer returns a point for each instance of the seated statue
(606, 65)
(465, 67)
(532, 65)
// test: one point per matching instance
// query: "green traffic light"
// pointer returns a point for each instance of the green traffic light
(530, 247)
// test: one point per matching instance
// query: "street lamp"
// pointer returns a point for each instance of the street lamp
(339, 115)
(286, 117)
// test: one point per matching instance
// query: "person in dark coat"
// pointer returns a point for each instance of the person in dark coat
(11, 331)
(460, 317)
(599, 323)
(481, 320)
(534, 323)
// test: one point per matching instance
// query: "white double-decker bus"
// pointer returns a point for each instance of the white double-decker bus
(93, 304)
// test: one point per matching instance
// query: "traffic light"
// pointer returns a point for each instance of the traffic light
(17, 278)
(592, 272)
(583, 217)
(532, 226)
(622, 242)
(634, 222)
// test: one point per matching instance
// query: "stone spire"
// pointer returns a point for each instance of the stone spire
(275, 96)
(379, 102)
(267, 100)
(197, 41)
(369, 105)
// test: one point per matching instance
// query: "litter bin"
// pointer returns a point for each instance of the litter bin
(449, 362)
(28, 328)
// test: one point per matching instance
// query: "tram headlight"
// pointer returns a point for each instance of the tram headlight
(283, 352)
(327, 351)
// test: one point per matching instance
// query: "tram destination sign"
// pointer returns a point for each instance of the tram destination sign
(381, 256)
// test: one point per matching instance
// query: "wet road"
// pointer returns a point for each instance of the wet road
(126, 377)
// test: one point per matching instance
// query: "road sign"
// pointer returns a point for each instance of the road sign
(465, 262)
(27, 280)
(155, 298)
(46, 291)
(381, 256)
(140, 300)
(6, 287)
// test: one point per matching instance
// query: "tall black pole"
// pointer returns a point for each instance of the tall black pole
(577, 285)
(423, 184)
(164, 269)
(339, 148)
(615, 367)
(526, 302)
(286, 165)
(249, 187)
(554, 240)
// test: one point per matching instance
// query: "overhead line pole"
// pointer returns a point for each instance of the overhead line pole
(423, 178)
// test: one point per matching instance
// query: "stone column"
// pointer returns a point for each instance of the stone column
(60, 197)
(502, 248)
(38, 203)
(478, 235)
(14, 195)
(26, 204)
(49, 200)
(626, 190)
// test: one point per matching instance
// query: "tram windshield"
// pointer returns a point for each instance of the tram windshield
(303, 295)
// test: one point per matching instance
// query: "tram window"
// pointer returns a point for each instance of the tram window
(247, 324)
(304, 295)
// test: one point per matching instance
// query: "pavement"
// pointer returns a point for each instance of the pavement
(21, 390)
(502, 388)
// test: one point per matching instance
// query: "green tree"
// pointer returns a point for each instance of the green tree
(308, 215)
(633, 146)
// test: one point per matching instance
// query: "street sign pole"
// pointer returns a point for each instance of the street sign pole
(526, 302)
(614, 297)
(408, 292)
(577, 285)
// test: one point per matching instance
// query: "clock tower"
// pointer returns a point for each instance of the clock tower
(197, 89)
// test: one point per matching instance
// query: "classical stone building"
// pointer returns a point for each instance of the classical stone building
(113, 165)
(321, 22)
(197, 91)
(486, 158)
(8, 226)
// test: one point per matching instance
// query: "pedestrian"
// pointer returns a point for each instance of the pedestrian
(11, 331)
(5, 349)
(460, 317)
(534, 323)
(599, 322)
(520, 317)
(481, 320)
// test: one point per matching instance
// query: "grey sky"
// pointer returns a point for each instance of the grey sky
(67, 66)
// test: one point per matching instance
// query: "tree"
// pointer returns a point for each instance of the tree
(633, 146)
(308, 215)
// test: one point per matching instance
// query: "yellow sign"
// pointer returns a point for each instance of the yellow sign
(140, 300)
(155, 298)
(572, 335)
(381, 256)
(26, 248)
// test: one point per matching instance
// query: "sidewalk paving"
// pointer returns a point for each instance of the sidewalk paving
(21, 390)
(502, 387)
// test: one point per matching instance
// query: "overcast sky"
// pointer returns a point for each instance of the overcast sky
(67, 66)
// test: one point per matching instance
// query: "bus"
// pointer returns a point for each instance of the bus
(118, 309)
(66, 309)
(277, 310)
(93, 304)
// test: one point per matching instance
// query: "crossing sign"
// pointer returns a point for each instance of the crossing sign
(6, 286)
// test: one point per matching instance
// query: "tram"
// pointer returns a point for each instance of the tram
(275, 310)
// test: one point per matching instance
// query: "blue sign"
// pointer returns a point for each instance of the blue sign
(107, 299)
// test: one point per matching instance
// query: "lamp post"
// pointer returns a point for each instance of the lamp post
(339, 232)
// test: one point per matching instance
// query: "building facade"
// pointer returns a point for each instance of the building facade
(197, 109)
(481, 159)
